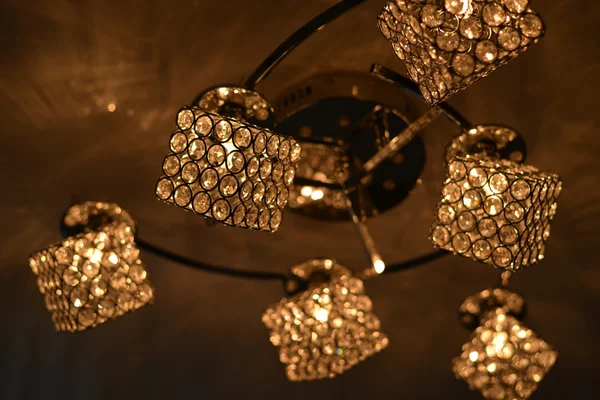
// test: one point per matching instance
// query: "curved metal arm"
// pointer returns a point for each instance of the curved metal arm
(406, 84)
(297, 38)
(218, 269)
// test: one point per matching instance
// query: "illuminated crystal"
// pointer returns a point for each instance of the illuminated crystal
(496, 212)
(84, 276)
(504, 359)
(217, 164)
(449, 44)
(327, 329)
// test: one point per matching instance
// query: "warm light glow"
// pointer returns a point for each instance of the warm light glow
(379, 266)
(473, 356)
(494, 34)
(488, 205)
(227, 170)
(91, 284)
(306, 191)
(317, 194)
(111, 107)
(321, 314)
(333, 323)
(514, 364)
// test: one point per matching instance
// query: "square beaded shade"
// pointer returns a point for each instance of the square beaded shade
(326, 329)
(92, 277)
(233, 172)
(504, 359)
(447, 45)
(496, 212)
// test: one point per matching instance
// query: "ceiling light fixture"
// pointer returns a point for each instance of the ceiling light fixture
(227, 163)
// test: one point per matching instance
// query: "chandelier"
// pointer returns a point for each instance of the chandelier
(232, 159)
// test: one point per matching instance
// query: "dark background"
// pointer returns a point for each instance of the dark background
(64, 61)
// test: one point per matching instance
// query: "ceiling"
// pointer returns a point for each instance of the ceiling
(64, 64)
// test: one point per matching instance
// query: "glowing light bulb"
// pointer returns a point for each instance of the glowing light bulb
(306, 191)
(317, 194)
(379, 266)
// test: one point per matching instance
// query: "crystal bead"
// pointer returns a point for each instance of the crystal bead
(466, 221)
(246, 190)
(235, 162)
(87, 317)
(288, 175)
(456, 170)
(451, 192)
(263, 218)
(432, 16)
(498, 183)
(185, 119)
(509, 39)
(482, 249)
(252, 216)
(125, 301)
(520, 190)
(79, 296)
(118, 281)
(273, 146)
(196, 149)
(446, 214)
(145, 292)
(458, 7)
(209, 179)
(486, 51)
(178, 142)
(514, 212)
(221, 209)
(204, 126)
(260, 143)
(252, 167)
(183, 196)
(258, 192)
(477, 177)
(531, 25)
(265, 168)
(91, 269)
(242, 138)
(461, 242)
(106, 308)
(516, 6)
(493, 205)
(71, 276)
(487, 227)
(137, 273)
(239, 214)
(216, 155)
(295, 152)
(171, 165)
(502, 257)
(98, 287)
(222, 131)
(228, 185)
(448, 41)
(276, 219)
(471, 28)
(463, 64)
(472, 199)
(493, 14)
(284, 149)
(189, 172)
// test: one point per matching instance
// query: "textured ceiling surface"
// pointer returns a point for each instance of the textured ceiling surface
(63, 64)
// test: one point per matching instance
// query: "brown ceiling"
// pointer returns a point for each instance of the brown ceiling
(64, 61)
